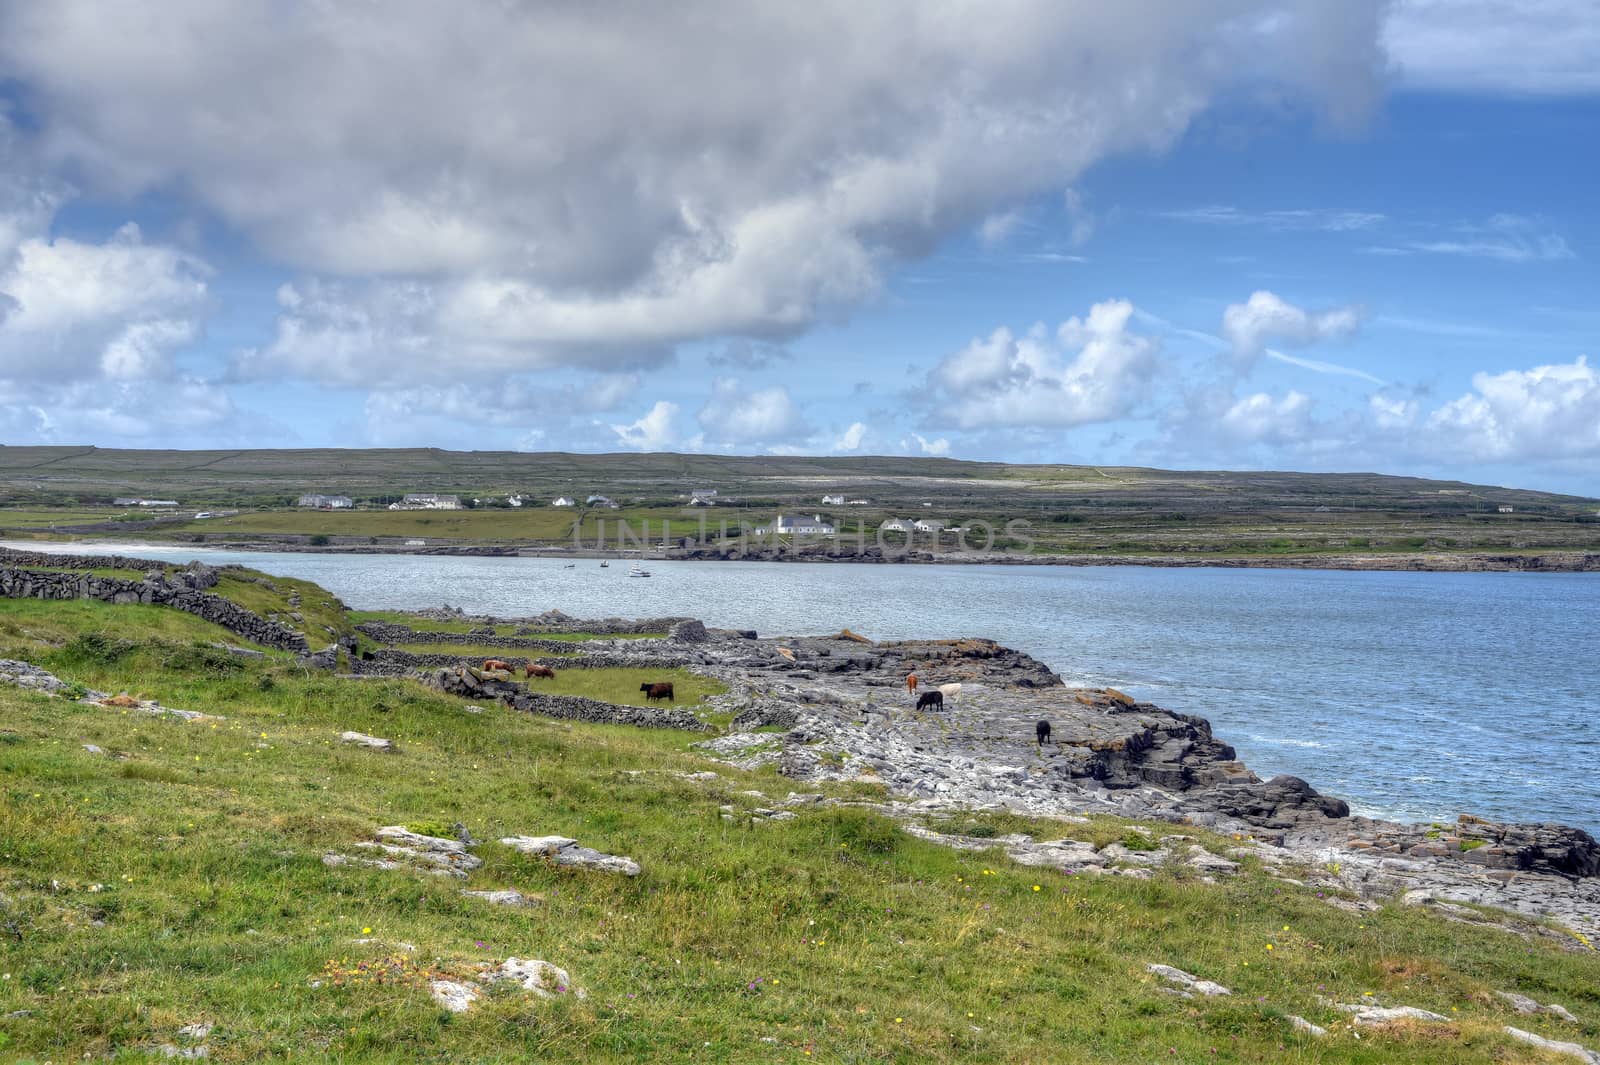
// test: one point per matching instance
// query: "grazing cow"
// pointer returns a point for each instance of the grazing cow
(652, 692)
(911, 683)
(1042, 732)
(950, 691)
(934, 699)
(536, 670)
(495, 663)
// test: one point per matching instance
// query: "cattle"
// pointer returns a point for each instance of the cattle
(950, 691)
(934, 699)
(652, 692)
(1042, 732)
(495, 663)
(911, 683)
(536, 670)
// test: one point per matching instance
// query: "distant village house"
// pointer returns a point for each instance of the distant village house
(833, 501)
(427, 501)
(563, 501)
(793, 525)
(1508, 510)
(703, 497)
(601, 501)
(322, 502)
(896, 525)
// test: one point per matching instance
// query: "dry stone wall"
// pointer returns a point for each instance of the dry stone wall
(19, 582)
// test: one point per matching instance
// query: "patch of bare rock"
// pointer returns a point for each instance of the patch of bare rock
(538, 978)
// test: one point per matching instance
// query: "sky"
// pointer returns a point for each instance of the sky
(1248, 234)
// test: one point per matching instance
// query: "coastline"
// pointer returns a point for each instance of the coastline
(1555, 561)
(828, 709)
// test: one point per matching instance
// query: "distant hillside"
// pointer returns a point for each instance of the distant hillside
(55, 475)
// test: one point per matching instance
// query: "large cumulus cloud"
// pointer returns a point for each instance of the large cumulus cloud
(526, 184)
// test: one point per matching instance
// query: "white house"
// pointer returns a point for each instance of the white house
(513, 501)
(896, 525)
(703, 497)
(929, 525)
(1508, 510)
(427, 501)
(601, 501)
(416, 543)
(563, 501)
(833, 501)
(322, 502)
(793, 525)
(857, 502)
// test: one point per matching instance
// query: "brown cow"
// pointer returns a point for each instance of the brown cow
(652, 692)
(911, 683)
(495, 663)
(536, 670)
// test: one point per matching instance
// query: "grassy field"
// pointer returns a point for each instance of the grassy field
(177, 879)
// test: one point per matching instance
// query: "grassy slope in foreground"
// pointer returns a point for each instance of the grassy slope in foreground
(177, 879)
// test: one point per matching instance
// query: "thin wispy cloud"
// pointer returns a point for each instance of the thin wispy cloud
(1507, 238)
(1050, 257)
(1327, 220)
(1319, 366)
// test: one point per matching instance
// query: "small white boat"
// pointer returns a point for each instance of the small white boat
(604, 562)
(637, 572)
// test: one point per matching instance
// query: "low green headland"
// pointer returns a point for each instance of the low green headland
(1067, 513)
(174, 876)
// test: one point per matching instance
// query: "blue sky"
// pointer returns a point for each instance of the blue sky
(1249, 233)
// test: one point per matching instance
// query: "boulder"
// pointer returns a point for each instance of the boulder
(690, 631)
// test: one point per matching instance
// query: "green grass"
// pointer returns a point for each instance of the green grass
(834, 933)
(426, 624)
(472, 650)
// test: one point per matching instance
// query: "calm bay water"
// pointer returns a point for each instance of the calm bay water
(1412, 695)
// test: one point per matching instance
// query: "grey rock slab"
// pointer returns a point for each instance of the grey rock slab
(1300, 1024)
(1387, 1014)
(361, 739)
(92, 749)
(197, 1030)
(1187, 981)
(1572, 1050)
(453, 996)
(565, 851)
(1524, 1004)
(531, 974)
(508, 897)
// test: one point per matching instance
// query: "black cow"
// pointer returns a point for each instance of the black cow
(1042, 731)
(934, 699)
(652, 692)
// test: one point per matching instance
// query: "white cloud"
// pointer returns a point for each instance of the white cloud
(734, 416)
(939, 448)
(113, 311)
(852, 437)
(1261, 418)
(654, 431)
(1266, 316)
(478, 187)
(998, 228)
(1092, 369)
(1521, 46)
(1548, 412)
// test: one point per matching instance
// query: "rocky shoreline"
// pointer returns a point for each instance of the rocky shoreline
(836, 708)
